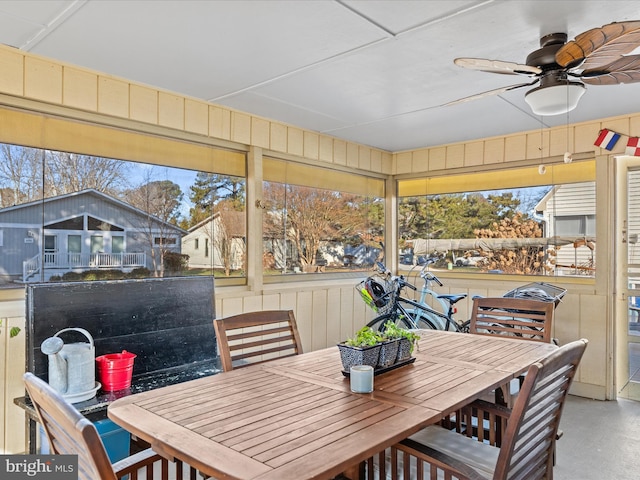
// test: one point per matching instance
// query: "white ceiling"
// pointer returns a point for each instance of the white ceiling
(372, 72)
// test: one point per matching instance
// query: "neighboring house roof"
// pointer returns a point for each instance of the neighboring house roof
(93, 192)
(541, 206)
(235, 220)
(202, 223)
(236, 223)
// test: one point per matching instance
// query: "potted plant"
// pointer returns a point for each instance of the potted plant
(388, 350)
(406, 339)
(361, 349)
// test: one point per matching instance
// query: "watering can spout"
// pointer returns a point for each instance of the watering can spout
(58, 378)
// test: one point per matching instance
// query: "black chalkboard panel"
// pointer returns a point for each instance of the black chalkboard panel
(166, 322)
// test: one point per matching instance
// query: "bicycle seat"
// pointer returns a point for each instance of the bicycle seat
(453, 297)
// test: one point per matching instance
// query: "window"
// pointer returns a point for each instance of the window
(513, 222)
(165, 241)
(97, 213)
(74, 243)
(96, 224)
(117, 244)
(75, 223)
(196, 243)
(97, 244)
(576, 225)
(319, 220)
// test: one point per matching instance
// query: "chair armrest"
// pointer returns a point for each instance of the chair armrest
(145, 458)
(485, 421)
(440, 460)
(499, 410)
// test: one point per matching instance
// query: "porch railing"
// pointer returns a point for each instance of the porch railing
(82, 261)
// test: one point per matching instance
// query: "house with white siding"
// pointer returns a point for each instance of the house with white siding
(80, 231)
(633, 217)
(217, 241)
(574, 223)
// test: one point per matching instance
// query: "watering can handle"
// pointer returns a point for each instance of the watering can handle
(81, 330)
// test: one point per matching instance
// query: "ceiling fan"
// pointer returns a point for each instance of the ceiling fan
(599, 56)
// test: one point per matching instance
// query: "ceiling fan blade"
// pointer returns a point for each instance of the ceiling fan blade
(599, 47)
(488, 93)
(623, 70)
(497, 66)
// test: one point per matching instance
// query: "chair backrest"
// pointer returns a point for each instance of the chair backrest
(513, 317)
(529, 440)
(68, 431)
(255, 337)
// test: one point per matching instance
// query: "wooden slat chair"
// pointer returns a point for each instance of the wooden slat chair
(512, 317)
(529, 436)
(255, 337)
(523, 319)
(70, 433)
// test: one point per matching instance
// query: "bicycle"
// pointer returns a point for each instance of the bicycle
(540, 291)
(382, 292)
(445, 301)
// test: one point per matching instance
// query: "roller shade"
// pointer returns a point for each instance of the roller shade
(503, 179)
(309, 176)
(55, 133)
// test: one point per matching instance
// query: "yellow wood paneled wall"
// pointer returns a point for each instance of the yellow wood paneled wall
(12, 362)
(326, 311)
(582, 313)
(533, 147)
(27, 76)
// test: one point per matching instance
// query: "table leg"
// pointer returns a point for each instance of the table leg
(31, 436)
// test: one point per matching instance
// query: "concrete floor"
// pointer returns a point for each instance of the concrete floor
(601, 440)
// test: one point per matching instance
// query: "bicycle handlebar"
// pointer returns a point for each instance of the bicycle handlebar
(404, 283)
(382, 269)
(428, 276)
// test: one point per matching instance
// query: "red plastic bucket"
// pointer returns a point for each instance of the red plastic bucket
(115, 370)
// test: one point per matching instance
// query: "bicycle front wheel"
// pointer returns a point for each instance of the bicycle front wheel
(398, 318)
(425, 320)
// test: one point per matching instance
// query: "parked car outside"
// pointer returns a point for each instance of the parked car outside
(469, 259)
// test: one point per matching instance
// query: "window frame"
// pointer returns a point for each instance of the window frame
(512, 177)
(298, 174)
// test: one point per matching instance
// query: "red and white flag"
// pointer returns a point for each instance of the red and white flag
(632, 147)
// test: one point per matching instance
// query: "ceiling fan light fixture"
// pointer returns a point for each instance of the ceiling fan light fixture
(555, 99)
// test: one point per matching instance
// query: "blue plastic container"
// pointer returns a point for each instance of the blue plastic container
(116, 440)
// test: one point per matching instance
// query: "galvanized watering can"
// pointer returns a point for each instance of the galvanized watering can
(71, 366)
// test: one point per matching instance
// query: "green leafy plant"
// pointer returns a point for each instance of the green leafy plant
(365, 337)
(393, 331)
(13, 331)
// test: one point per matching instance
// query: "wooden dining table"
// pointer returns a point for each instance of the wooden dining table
(296, 417)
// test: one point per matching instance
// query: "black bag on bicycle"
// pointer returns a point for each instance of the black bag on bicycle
(376, 291)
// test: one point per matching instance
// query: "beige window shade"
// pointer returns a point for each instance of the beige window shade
(308, 176)
(54, 133)
(511, 178)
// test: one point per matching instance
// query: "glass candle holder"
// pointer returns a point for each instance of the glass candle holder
(361, 378)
